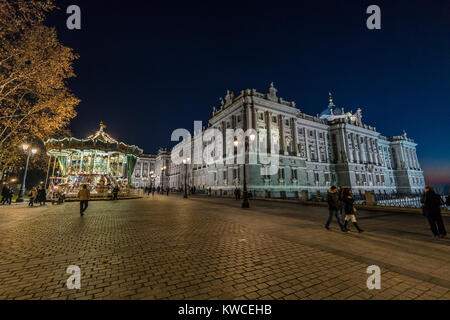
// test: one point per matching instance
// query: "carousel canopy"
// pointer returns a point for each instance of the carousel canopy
(99, 141)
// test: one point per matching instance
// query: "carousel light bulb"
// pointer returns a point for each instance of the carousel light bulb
(25, 147)
(34, 151)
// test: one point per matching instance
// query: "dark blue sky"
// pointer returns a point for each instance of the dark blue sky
(147, 68)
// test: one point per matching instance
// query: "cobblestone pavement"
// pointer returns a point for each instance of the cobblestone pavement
(202, 248)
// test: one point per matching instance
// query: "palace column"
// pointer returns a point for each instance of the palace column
(327, 154)
(308, 151)
(295, 135)
(254, 117)
(282, 135)
(350, 151)
(316, 136)
(269, 131)
(224, 141)
(366, 142)
(355, 148)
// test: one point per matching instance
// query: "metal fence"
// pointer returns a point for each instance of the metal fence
(399, 200)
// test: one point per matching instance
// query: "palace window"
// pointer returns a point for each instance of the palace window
(294, 174)
(287, 123)
(281, 174)
(301, 148)
(261, 116)
(316, 177)
(238, 119)
(274, 119)
(236, 173)
(312, 151)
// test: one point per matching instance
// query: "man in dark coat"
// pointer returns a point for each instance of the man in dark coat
(5, 193)
(334, 205)
(432, 210)
(10, 195)
(42, 196)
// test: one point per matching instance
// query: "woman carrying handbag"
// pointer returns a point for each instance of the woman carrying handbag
(350, 210)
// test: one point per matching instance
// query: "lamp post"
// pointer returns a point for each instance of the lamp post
(163, 175)
(185, 162)
(152, 179)
(29, 153)
(245, 203)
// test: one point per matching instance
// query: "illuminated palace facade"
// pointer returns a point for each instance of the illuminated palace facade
(316, 152)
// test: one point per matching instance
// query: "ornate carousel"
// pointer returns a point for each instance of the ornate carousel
(98, 161)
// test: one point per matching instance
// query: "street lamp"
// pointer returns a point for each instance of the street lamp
(163, 175)
(151, 178)
(29, 153)
(185, 162)
(245, 203)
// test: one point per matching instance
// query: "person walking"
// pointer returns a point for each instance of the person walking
(10, 195)
(84, 195)
(236, 194)
(115, 193)
(432, 210)
(33, 195)
(350, 210)
(41, 196)
(340, 192)
(153, 191)
(333, 207)
(167, 191)
(5, 194)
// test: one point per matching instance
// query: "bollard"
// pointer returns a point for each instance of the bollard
(370, 198)
(305, 195)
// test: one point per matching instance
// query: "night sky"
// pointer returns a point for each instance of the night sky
(147, 68)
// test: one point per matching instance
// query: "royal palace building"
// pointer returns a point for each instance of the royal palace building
(315, 152)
